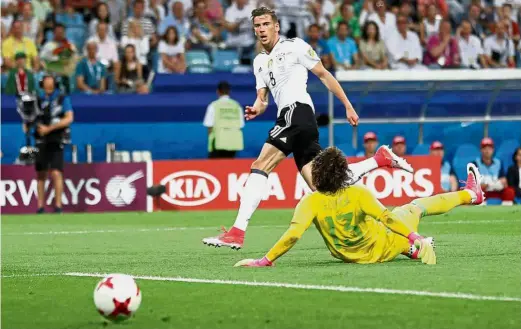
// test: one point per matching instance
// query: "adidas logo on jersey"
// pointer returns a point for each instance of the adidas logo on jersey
(284, 139)
(260, 69)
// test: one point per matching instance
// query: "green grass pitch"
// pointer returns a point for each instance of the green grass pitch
(478, 253)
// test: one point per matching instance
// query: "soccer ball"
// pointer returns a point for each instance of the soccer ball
(117, 297)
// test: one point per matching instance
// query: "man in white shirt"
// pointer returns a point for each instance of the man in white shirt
(499, 49)
(471, 52)
(237, 23)
(515, 4)
(404, 48)
(385, 20)
(107, 47)
(282, 68)
(139, 13)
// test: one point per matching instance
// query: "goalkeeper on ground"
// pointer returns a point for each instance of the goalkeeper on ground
(355, 226)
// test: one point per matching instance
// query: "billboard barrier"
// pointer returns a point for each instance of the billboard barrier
(218, 184)
(99, 187)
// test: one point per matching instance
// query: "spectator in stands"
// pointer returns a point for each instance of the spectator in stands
(136, 38)
(372, 49)
(509, 9)
(130, 78)
(512, 28)
(347, 14)
(317, 16)
(475, 21)
(30, 24)
(187, 5)
(91, 74)
(449, 181)
(430, 25)
(399, 146)
(102, 14)
(344, 49)
(60, 55)
(178, 19)
(370, 145)
(471, 51)
(443, 49)
(404, 48)
(41, 9)
(118, 12)
(69, 17)
(499, 49)
(155, 11)
(406, 10)
(51, 19)
(514, 174)
(385, 20)
(319, 45)
(238, 25)
(107, 47)
(16, 43)
(441, 7)
(203, 33)
(7, 15)
(224, 119)
(214, 10)
(172, 53)
(146, 23)
(20, 80)
(493, 182)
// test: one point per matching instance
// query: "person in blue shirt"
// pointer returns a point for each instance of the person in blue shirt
(50, 134)
(91, 75)
(319, 45)
(493, 174)
(449, 180)
(176, 18)
(344, 49)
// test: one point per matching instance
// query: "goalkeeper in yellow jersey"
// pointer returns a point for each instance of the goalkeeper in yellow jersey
(355, 226)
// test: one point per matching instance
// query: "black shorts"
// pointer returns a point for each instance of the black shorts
(296, 132)
(50, 156)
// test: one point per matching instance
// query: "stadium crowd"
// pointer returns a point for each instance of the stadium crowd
(114, 45)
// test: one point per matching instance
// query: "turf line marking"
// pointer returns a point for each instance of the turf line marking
(159, 229)
(315, 287)
(165, 229)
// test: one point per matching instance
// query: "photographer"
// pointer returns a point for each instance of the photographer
(55, 116)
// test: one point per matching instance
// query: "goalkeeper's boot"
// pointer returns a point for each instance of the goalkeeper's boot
(392, 160)
(234, 238)
(413, 251)
(473, 184)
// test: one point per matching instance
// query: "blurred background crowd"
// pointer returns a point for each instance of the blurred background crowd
(118, 45)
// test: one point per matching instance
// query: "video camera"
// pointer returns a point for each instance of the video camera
(27, 107)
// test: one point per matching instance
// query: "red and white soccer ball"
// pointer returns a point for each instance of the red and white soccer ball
(117, 297)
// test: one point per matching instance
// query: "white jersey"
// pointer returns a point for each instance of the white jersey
(285, 71)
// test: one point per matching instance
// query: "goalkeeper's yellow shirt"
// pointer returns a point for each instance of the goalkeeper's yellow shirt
(355, 226)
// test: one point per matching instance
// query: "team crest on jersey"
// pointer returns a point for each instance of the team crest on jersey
(281, 57)
(270, 63)
(312, 53)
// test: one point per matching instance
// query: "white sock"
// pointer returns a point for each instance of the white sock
(361, 168)
(473, 195)
(252, 195)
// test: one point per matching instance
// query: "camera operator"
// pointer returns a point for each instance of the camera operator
(51, 127)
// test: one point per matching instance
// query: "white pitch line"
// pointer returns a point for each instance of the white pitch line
(158, 229)
(454, 295)
(421, 293)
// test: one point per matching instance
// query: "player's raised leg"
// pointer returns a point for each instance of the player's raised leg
(411, 213)
(253, 192)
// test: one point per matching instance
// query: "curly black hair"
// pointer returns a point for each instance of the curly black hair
(330, 171)
(264, 11)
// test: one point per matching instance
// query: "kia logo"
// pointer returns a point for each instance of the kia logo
(190, 188)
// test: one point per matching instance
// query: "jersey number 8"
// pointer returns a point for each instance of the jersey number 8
(272, 79)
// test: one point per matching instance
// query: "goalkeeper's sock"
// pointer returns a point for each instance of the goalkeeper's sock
(251, 196)
(361, 168)
(442, 203)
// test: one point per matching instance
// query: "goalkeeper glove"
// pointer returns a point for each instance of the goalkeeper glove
(425, 248)
(254, 262)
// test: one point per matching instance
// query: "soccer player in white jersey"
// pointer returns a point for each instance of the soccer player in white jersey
(283, 68)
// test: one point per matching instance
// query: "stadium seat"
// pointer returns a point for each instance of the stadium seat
(464, 154)
(505, 150)
(141, 156)
(225, 60)
(122, 156)
(347, 148)
(198, 61)
(421, 149)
